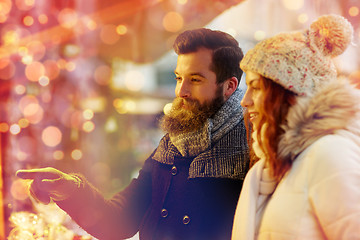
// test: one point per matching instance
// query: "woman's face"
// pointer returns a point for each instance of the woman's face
(253, 98)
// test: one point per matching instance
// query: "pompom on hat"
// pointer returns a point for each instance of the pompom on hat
(301, 61)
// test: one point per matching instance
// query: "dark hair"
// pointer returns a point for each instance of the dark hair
(226, 51)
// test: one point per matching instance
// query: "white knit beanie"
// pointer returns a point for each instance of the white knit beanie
(301, 61)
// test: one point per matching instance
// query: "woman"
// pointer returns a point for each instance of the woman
(306, 125)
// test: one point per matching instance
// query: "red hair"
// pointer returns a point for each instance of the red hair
(276, 103)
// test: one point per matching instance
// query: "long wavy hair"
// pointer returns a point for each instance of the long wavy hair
(276, 103)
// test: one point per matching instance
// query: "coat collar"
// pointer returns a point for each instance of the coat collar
(334, 107)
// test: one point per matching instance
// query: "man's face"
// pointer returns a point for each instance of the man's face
(198, 96)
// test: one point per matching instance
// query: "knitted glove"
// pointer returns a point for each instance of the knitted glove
(50, 184)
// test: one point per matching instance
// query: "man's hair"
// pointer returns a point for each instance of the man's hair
(226, 55)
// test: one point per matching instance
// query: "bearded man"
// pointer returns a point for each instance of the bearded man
(188, 188)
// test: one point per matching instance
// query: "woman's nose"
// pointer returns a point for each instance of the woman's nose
(246, 101)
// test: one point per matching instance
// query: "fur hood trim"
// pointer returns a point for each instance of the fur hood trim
(334, 107)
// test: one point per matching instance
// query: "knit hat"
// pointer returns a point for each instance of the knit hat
(301, 61)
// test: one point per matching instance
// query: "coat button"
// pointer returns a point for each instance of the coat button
(174, 170)
(164, 213)
(186, 219)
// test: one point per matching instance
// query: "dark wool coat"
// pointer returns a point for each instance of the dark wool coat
(173, 198)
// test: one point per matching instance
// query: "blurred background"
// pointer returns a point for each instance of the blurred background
(83, 85)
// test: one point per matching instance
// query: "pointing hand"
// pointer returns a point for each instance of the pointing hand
(50, 183)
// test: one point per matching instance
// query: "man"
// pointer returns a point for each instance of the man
(189, 186)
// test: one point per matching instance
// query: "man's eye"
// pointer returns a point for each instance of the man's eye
(178, 79)
(195, 80)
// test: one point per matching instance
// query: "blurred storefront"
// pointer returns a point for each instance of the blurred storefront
(83, 84)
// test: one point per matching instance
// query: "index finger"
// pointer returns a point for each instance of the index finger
(43, 173)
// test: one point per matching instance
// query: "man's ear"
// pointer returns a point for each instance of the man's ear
(230, 85)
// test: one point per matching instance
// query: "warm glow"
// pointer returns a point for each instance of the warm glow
(121, 29)
(34, 71)
(15, 129)
(10, 37)
(28, 21)
(88, 114)
(23, 123)
(58, 155)
(354, 11)
(70, 66)
(88, 126)
(43, 19)
(134, 80)
(293, 4)
(52, 70)
(173, 22)
(68, 18)
(20, 89)
(51, 136)
(5, 7)
(19, 189)
(102, 74)
(259, 35)
(76, 154)
(303, 18)
(24, 5)
(4, 127)
(44, 81)
(182, 2)
(36, 49)
(109, 35)
(7, 69)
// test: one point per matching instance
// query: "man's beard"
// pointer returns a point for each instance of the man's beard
(181, 120)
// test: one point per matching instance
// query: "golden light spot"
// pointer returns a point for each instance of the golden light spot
(34, 71)
(20, 189)
(10, 37)
(108, 34)
(5, 7)
(121, 29)
(88, 126)
(4, 127)
(24, 5)
(88, 114)
(111, 125)
(102, 75)
(43, 19)
(27, 59)
(19, 89)
(28, 21)
(61, 63)
(23, 123)
(76, 154)
(58, 155)
(182, 2)
(51, 136)
(173, 22)
(14, 129)
(354, 11)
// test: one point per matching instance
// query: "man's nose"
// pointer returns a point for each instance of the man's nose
(183, 89)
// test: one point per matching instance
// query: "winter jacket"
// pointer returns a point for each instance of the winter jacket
(174, 199)
(319, 197)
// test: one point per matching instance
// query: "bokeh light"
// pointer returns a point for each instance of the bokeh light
(58, 155)
(88, 126)
(68, 18)
(173, 22)
(43, 19)
(20, 189)
(293, 4)
(34, 71)
(24, 5)
(102, 74)
(28, 21)
(134, 80)
(303, 18)
(15, 129)
(109, 35)
(4, 127)
(51, 136)
(88, 114)
(76, 154)
(36, 50)
(121, 29)
(52, 70)
(354, 11)
(20, 89)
